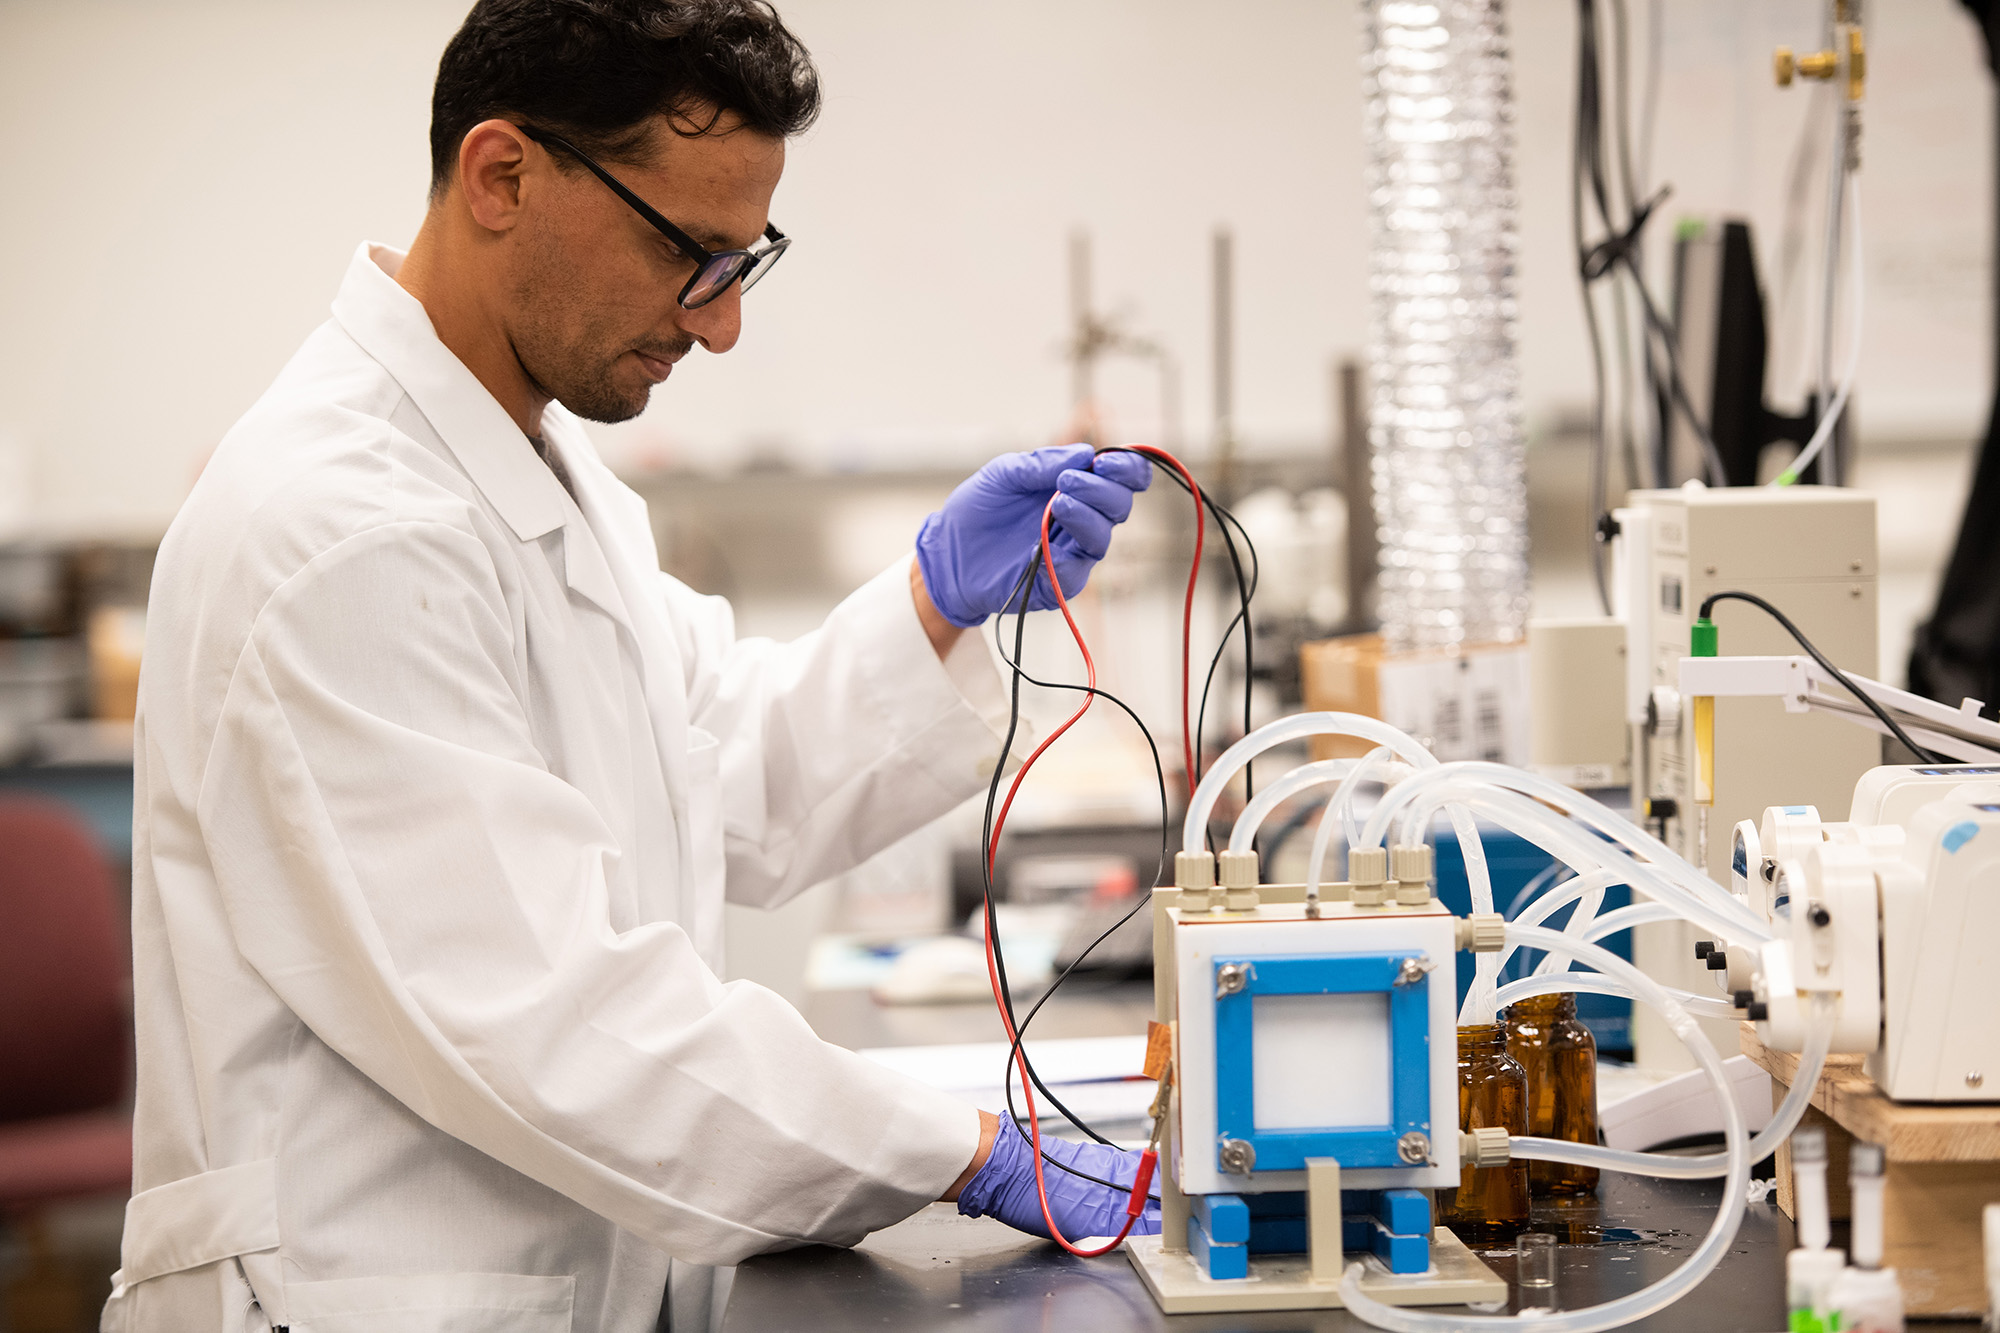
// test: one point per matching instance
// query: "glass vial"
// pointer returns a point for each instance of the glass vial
(1535, 1268)
(1490, 1205)
(1559, 1056)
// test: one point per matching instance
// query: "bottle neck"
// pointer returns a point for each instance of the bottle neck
(1542, 1010)
(1482, 1039)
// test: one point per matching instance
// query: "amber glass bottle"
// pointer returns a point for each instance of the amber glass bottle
(1490, 1206)
(1560, 1058)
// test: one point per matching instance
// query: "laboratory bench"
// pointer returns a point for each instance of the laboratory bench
(939, 1271)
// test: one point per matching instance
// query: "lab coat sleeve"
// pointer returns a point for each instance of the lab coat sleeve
(839, 743)
(403, 870)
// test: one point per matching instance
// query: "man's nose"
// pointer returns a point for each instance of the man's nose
(718, 324)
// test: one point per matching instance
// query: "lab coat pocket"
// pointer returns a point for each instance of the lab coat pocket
(706, 861)
(433, 1303)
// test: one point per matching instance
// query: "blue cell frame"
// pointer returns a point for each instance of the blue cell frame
(1324, 974)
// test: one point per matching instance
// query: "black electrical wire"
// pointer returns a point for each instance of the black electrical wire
(1245, 590)
(1619, 251)
(1881, 713)
(1583, 145)
(1022, 592)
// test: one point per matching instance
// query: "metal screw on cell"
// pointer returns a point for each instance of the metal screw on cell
(1237, 1157)
(1414, 1148)
(1718, 961)
(1412, 971)
(1231, 978)
(1974, 1079)
(1820, 917)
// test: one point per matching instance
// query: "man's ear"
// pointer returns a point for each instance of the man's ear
(494, 159)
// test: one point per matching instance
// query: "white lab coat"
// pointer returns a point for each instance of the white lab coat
(439, 783)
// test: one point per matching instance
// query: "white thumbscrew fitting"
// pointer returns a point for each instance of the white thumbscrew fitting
(1484, 1147)
(1368, 876)
(1194, 872)
(1239, 879)
(1482, 932)
(1412, 874)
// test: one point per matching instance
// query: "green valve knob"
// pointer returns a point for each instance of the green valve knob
(1702, 638)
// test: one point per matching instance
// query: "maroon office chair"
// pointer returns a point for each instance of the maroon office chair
(64, 1013)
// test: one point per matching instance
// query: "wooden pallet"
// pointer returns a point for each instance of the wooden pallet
(1943, 1168)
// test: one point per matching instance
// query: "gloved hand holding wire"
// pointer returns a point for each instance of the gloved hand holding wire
(1004, 1187)
(970, 551)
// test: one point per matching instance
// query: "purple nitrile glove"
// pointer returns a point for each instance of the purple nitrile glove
(973, 550)
(1004, 1188)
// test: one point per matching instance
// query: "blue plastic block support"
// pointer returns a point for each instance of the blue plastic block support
(1404, 1212)
(1403, 1254)
(1226, 1217)
(1214, 1258)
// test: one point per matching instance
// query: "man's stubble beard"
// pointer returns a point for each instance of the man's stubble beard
(579, 372)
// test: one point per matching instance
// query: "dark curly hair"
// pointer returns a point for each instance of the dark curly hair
(595, 71)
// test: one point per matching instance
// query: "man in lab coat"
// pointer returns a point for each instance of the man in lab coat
(441, 783)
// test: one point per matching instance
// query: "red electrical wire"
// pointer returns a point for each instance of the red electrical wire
(1149, 1159)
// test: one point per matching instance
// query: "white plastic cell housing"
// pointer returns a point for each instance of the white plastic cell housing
(1319, 1058)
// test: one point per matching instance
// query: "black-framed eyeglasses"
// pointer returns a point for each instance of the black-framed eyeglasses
(714, 270)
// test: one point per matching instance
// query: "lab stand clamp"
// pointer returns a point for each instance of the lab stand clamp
(1314, 1102)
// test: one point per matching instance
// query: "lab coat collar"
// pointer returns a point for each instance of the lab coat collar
(392, 326)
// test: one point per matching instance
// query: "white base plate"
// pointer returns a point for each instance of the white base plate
(1284, 1281)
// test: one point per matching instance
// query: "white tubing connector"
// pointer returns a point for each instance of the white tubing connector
(1483, 1147)
(1368, 876)
(1194, 872)
(1413, 869)
(1239, 879)
(1482, 932)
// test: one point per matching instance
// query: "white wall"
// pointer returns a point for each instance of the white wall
(187, 178)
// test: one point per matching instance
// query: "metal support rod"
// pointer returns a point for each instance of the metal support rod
(1355, 479)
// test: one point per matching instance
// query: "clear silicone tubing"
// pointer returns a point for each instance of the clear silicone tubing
(1194, 831)
(1624, 918)
(1577, 927)
(1414, 799)
(1546, 906)
(1341, 800)
(1434, 787)
(1244, 834)
(1422, 793)
(1696, 897)
(1582, 850)
(1647, 1300)
(1819, 1039)
(1557, 983)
